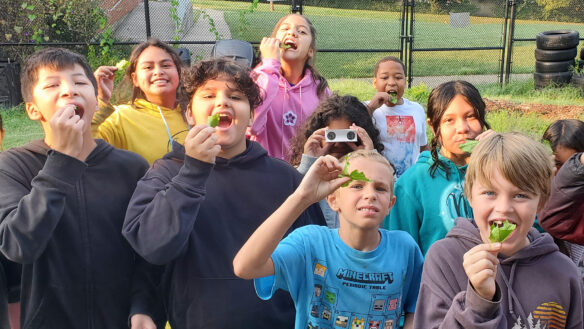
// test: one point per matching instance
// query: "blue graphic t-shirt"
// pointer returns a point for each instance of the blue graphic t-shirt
(336, 286)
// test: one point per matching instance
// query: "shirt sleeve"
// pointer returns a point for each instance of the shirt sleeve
(267, 77)
(414, 276)
(406, 214)
(290, 259)
(162, 212)
(442, 303)
(28, 216)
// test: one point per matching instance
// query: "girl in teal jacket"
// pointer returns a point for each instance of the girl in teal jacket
(430, 193)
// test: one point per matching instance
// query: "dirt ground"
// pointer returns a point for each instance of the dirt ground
(551, 112)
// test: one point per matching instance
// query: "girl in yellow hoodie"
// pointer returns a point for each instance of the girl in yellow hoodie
(154, 117)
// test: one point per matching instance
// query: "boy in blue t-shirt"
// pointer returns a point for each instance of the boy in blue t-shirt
(356, 276)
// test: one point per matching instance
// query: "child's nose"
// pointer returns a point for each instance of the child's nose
(221, 100)
(462, 126)
(69, 89)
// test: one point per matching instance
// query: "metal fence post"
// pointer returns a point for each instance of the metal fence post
(147, 18)
(502, 60)
(510, 41)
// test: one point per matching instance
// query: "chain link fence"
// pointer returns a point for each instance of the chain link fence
(437, 39)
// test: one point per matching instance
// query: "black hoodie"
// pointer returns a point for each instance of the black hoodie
(537, 284)
(195, 216)
(62, 219)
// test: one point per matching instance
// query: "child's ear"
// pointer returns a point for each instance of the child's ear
(374, 81)
(430, 125)
(134, 79)
(331, 199)
(189, 116)
(391, 203)
(33, 111)
(310, 53)
(250, 119)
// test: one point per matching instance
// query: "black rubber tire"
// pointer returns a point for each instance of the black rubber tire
(555, 55)
(551, 67)
(559, 39)
(542, 80)
(578, 81)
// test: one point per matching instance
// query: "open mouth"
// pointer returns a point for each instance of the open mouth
(499, 222)
(368, 209)
(79, 110)
(290, 44)
(225, 120)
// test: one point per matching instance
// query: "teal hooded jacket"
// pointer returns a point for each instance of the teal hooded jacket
(427, 206)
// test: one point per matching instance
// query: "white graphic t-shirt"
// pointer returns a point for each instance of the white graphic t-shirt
(402, 131)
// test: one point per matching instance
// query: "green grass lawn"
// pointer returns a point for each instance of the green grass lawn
(365, 29)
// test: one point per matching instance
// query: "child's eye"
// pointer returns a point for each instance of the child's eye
(53, 85)
(381, 189)
(81, 83)
(357, 185)
(488, 193)
(522, 196)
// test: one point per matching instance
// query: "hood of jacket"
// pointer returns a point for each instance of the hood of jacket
(306, 82)
(425, 158)
(253, 151)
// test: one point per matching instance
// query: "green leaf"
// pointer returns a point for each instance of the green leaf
(468, 145)
(284, 46)
(393, 99)
(354, 175)
(213, 120)
(500, 234)
(122, 65)
(31, 17)
(23, 5)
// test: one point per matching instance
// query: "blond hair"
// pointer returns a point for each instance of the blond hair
(521, 160)
(372, 155)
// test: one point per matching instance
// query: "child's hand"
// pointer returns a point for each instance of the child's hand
(201, 143)
(105, 82)
(270, 48)
(321, 179)
(480, 264)
(366, 142)
(67, 131)
(380, 98)
(142, 321)
(314, 144)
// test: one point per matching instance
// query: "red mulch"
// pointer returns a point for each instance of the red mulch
(551, 112)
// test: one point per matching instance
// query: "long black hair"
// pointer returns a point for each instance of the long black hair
(438, 102)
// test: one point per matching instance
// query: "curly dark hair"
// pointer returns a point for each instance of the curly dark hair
(203, 71)
(335, 107)
(438, 102)
(567, 133)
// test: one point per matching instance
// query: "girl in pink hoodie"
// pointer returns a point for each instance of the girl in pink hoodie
(291, 86)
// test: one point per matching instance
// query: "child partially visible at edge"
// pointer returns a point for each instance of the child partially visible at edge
(336, 112)
(469, 281)
(291, 86)
(401, 122)
(343, 276)
(62, 205)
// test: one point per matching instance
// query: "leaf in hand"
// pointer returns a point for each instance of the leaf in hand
(468, 145)
(354, 175)
(122, 65)
(213, 120)
(500, 234)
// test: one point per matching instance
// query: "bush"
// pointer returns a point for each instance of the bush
(39, 21)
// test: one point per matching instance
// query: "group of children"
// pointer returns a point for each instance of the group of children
(215, 209)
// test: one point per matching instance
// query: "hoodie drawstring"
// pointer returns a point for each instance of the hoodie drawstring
(511, 297)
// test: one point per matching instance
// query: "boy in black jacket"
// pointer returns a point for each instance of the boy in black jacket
(197, 206)
(62, 204)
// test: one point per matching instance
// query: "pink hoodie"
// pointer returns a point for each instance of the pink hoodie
(285, 108)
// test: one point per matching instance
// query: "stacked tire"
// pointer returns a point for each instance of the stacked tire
(554, 57)
(578, 79)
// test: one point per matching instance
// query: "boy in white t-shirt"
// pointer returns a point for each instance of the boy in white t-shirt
(401, 122)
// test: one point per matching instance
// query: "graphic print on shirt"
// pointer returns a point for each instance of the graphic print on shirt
(289, 118)
(401, 137)
(454, 204)
(328, 309)
(552, 315)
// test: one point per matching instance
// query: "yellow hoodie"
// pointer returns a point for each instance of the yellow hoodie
(139, 128)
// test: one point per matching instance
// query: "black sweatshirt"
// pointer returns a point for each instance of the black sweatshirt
(194, 217)
(62, 219)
